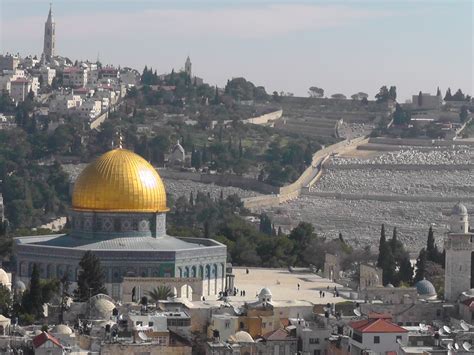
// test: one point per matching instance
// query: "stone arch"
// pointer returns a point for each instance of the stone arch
(24, 268)
(208, 271)
(193, 271)
(70, 273)
(78, 270)
(186, 292)
(175, 291)
(60, 271)
(201, 271)
(180, 271)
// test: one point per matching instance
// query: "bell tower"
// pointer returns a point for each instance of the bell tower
(49, 36)
(459, 246)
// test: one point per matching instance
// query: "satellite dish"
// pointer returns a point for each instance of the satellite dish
(450, 346)
(464, 326)
(466, 346)
(456, 346)
(357, 312)
(399, 341)
(447, 329)
(142, 336)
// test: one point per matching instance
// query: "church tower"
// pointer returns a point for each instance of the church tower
(49, 37)
(459, 246)
(187, 67)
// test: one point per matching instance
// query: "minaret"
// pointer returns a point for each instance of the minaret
(49, 36)
(187, 67)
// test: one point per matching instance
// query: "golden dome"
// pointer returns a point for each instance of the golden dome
(119, 181)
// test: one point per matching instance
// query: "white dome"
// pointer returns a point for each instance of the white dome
(20, 285)
(62, 329)
(459, 210)
(241, 337)
(265, 292)
(101, 307)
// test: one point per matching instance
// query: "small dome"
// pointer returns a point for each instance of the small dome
(390, 286)
(101, 307)
(4, 279)
(62, 329)
(470, 292)
(20, 286)
(265, 292)
(241, 337)
(425, 288)
(459, 210)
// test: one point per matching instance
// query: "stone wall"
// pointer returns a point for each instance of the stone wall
(419, 142)
(265, 119)
(307, 178)
(220, 179)
(380, 197)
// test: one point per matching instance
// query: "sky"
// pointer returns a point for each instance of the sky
(341, 46)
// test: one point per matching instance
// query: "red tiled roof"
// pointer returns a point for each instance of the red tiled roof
(279, 334)
(378, 325)
(19, 81)
(42, 338)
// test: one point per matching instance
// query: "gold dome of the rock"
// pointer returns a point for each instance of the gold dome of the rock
(119, 181)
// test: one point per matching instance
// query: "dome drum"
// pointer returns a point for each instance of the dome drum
(106, 225)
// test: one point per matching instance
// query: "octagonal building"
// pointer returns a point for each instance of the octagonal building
(119, 213)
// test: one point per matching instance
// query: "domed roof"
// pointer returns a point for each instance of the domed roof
(459, 210)
(120, 181)
(62, 329)
(470, 292)
(390, 285)
(265, 292)
(20, 285)
(4, 279)
(425, 288)
(100, 307)
(241, 337)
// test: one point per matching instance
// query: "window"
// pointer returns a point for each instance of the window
(227, 324)
(399, 337)
(314, 340)
(138, 323)
(317, 352)
(150, 324)
(376, 339)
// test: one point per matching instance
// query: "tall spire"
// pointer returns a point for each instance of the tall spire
(49, 36)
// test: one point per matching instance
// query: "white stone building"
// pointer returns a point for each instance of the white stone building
(9, 62)
(75, 77)
(459, 246)
(63, 104)
(21, 87)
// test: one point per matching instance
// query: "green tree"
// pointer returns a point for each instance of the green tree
(90, 281)
(400, 117)
(405, 272)
(392, 93)
(420, 99)
(265, 224)
(448, 96)
(382, 249)
(32, 300)
(5, 301)
(438, 92)
(160, 293)
(382, 95)
(420, 266)
(463, 114)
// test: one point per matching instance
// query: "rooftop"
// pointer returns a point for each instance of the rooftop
(376, 325)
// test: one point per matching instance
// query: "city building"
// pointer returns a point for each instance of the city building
(427, 101)
(377, 334)
(119, 213)
(75, 77)
(9, 62)
(459, 246)
(49, 37)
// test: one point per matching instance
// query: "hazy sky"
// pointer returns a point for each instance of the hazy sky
(341, 46)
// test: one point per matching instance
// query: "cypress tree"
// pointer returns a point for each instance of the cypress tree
(394, 242)
(382, 243)
(90, 281)
(405, 271)
(32, 299)
(448, 95)
(420, 98)
(430, 245)
(241, 151)
(420, 266)
(191, 199)
(438, 92)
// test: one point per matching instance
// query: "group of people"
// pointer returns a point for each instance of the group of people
(335, 292)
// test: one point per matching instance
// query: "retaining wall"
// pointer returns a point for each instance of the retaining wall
(222, 180)
(419, 142)
(380, 197)
(266, 118)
